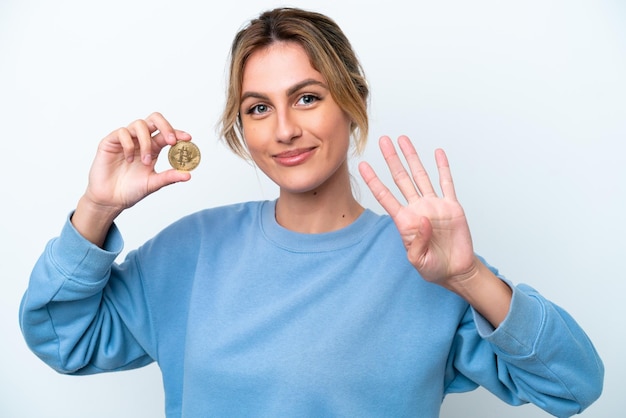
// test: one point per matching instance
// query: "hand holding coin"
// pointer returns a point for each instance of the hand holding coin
(184, 156)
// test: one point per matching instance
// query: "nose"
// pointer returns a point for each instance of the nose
(287, 126)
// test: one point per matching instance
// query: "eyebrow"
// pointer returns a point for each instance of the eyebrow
(293, 89)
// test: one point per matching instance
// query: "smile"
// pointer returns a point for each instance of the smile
(294, 157)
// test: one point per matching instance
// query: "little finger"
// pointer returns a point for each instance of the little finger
(445, 174)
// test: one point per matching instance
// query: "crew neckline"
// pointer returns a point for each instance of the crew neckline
(321, 242)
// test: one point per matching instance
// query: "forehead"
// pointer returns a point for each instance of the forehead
(278, 66)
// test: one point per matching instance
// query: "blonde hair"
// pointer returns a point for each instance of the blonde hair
(329, 51)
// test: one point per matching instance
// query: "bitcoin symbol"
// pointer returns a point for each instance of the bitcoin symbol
(184, 156)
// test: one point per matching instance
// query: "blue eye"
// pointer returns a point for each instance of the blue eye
(258, 109)
(308, 99)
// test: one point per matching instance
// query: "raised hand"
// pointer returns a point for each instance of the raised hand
(123, 169)
(123, 173)
(434, 229)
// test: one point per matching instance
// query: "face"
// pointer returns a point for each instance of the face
(294, 130)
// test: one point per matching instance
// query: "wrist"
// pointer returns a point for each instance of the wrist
(93, 221)
(485, 292)
(466, 284)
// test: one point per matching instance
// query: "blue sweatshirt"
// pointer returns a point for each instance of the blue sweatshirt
(246, 318)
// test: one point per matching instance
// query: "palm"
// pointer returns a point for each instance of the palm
(115, 182)
(449, 251)
(434, 229)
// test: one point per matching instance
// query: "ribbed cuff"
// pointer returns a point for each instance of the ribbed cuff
(518, 333)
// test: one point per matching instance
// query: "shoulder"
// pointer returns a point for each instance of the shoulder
(218, 217)
(215, 223)
(383, 229)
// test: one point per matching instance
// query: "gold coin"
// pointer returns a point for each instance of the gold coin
(184, 156)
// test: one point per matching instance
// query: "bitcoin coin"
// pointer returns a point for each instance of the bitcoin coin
(184, 156)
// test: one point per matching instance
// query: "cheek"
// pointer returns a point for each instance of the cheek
(251, 137)
(254, 139)
(336, 127)
(257, 131)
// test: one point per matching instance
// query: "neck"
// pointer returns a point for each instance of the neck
(327, 208)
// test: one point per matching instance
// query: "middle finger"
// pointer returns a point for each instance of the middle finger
(419, 173)
(398, 172)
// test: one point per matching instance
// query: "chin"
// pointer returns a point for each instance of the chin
(298, 190)
(305, 181)
(302, 188)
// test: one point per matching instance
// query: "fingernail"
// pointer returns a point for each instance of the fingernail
(147, 159)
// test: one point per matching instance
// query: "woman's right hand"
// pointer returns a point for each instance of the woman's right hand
(122, 173)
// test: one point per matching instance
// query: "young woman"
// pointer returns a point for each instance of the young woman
(309, 304)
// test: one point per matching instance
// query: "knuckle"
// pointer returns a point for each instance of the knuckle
(137, 124)
(121, 132)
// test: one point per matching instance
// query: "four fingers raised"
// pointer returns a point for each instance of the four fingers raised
(413, 184)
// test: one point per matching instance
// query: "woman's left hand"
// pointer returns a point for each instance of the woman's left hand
(434, 229)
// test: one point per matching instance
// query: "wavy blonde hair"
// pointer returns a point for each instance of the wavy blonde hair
(329, 51)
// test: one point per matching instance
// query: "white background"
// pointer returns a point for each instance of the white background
(527, 97)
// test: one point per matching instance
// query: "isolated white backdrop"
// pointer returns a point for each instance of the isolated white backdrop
(528, 98)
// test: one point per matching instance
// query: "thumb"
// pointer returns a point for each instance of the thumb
(418, 248)
(168, 177)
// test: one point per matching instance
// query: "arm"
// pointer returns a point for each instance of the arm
(435, 231)
(527, 350)
(81, 312)
(123, 173)
(538, 354)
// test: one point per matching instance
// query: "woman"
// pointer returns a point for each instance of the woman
(310, 304)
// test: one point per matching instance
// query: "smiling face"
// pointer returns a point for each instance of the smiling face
(294, 130)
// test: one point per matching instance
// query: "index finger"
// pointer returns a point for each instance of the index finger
(162, 131)
(381, 193)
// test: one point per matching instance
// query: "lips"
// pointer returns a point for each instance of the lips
(294, 157)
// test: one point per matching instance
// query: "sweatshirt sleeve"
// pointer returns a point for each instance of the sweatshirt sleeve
(539, 354)
(81, 313)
